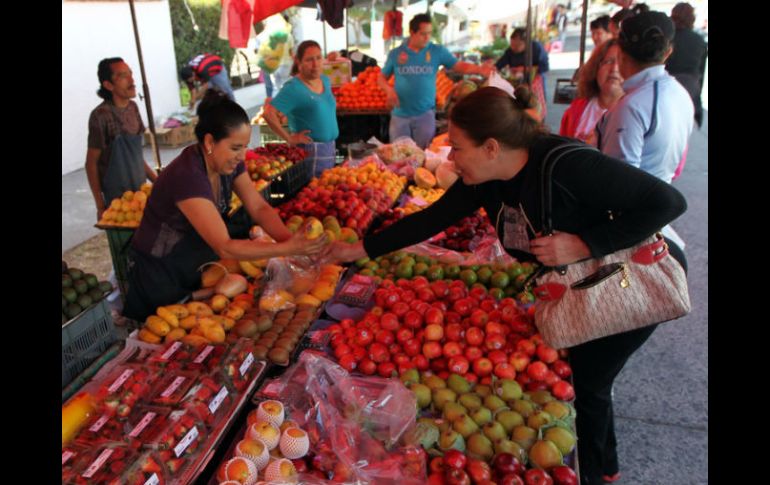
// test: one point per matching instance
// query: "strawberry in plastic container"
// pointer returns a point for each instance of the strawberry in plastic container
(71, 454)
(181, 441)
(148, 469)
(101, 428)
(207, 358)
(210, 399)
(104, 465)
(173, 356)
(146, 423)
(124, 387)
(172, 387)
(240, 366)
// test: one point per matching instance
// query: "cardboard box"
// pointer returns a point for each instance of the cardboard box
(339, 72)
(173, 137)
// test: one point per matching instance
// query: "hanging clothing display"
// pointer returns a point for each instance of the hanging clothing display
(334, 11)
(265, 8)
(393, 25)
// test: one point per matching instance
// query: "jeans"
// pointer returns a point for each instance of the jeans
(420, 128)
(323, 154)
(222, 83)
(268, 84)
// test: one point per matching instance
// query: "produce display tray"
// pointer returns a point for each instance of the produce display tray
(287, 183)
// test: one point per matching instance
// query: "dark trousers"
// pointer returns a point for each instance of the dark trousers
(595, 365)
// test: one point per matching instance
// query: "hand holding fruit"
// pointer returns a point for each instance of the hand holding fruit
(301, 137)
(559, 249)
(344, 252)
(307, 241)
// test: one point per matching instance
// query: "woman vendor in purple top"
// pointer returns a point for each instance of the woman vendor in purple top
(185, 221)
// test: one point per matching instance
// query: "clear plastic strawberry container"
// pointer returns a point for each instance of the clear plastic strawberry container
(126, 386)
(101, 465)
(70, 454)
(100, 428)
(174, 355)
(172, 387)
(145, 424)
(148, 469)
(211, 399)
(207, 358)
(180, 443)
(240, 365)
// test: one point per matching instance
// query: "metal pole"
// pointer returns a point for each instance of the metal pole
(326, 51)
(528, 51)
(583, 24)
(146, 89)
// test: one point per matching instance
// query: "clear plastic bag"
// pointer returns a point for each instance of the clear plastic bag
(286, 279)
(355, 423)
(489, 250)
(402, 150)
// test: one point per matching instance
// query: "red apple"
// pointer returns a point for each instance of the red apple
(482, 367)
(455, 476)
(412, 319)
(547, 354)
(563, 391)
(526, 346)
(434, 316)
(479, 318)
(452, 349)
(505, 463)
(536, 476)
(561, 369)
(403, 335)
(519, 360)
(455, 459)
(564, 475)
(434, 332)
(437, 465)
(497, 356)
(389, 321)
(478, 470)
(494, 341)
(511, 479)
(455, 332)
(458, 365)
(421, 362)
(474, 336)
(473, 353)
(537, 370)
(412, 347)
(504, 370)
(431, 350)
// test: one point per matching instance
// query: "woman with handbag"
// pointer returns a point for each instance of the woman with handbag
(598, 205)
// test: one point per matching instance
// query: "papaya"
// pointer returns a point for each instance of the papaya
(424, 178)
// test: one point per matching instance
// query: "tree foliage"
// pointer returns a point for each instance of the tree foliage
(187, 41)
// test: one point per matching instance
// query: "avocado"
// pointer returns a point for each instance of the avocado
(84, 301)
(63, 266)
(95, 294)
(73, 309)
(64, 303)
(91, 280)
(66, 280)
(80, 286)
(75, 273)
(69, 294)
(105, 286)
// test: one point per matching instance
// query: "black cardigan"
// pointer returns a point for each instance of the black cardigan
(588, 187)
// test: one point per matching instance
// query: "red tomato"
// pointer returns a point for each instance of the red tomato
(364, 337)
(426, 295)
(412, 347)
(434, 316)
(341, 350)
(462, 306)
(367, 367)
(378, 353)
(389, 321)
(400, 309)
(385, 337)
(408, 296)
(412, 319)
(348, 362)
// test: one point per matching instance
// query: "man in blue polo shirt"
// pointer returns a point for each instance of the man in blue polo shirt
(415, 64)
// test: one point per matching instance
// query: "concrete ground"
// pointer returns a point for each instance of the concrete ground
(661, 397)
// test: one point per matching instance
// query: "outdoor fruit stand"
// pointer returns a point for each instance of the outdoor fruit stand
(421, 366)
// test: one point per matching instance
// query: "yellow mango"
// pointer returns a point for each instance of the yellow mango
(168, 316)
(158, 326)
(215, 334)
(234, 312)
(225, 322)
(199, 308)
(149, 337)
(180, 311)
(188, 322)
(194, 340)
(174, 335)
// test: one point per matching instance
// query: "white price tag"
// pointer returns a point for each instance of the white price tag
(173, 387)
(205, 353)
(171, 350)
(98, 463)
(66, 456)
(217, 401)
(120, 380)
(147, 419)
(153, 480)
(247, 363)
(189, 437)
(98, 425)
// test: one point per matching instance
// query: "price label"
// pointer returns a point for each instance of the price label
(247, 363)
(153, 480)
(205, 353)
(98, 425)
(171, 350)
(173, 387)
(66, 456)
(217, 401)
(120, 380)
(147, 419)
(186, 441)
(98, 463)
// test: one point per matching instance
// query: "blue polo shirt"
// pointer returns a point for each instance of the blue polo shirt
(307, 110)
(416, 76)
(630, 132)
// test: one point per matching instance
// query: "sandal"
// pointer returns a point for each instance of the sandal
(611, 478)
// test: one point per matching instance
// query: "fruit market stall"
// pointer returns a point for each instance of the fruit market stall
(421, 366)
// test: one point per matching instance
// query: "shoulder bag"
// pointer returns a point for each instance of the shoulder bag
(597, 297)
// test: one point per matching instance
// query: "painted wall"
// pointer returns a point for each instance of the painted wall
(92, 31)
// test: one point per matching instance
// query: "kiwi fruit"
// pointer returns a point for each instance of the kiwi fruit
(279, 356)
(260, 352)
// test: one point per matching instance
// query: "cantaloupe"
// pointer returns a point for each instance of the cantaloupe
(446, 175)
(424, 178)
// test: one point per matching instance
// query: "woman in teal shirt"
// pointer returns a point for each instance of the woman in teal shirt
(307, 101)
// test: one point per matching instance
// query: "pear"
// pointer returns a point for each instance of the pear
(430, 421)
(483, 390)
(482, 416)
(494, 431)
(470, 400)
(508, 389)
(443, 396)
(458, 384)
(443, 425)
(410, 376)
(544, 454)
(558, 409)
(493, 402)
(524, 435)
(433, 382)
(562, 438)
(508, 446)
(538, 419)
(424, 434)
(480, 447)
(509, 419)
(422, 393)
(451, 439)
(465, 425)
(453, 410)
(540, 397)
(525, 408)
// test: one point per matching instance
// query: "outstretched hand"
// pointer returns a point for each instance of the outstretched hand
(299, 245)
(559, 249)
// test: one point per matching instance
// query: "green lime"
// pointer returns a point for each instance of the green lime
(435, 272)
(500, 279)
(484, 273)
(468, 276)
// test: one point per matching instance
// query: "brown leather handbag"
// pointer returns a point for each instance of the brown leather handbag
(628, 289)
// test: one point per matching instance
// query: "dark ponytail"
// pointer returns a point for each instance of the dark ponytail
(218, 116)
(491, 113)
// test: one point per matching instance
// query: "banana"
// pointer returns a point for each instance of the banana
(180, 311)
(168, 316)
(149, 337)
(157, 325)
(199, 308)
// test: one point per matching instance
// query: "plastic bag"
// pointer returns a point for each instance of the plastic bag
(489, 250)
(354, 163)
(354, 423)
(287, 278)
(402, 150)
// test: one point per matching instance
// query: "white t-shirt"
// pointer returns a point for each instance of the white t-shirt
(591, 115)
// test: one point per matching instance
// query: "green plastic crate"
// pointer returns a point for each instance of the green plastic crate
(84, 338)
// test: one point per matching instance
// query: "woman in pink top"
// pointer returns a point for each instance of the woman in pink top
(599, 88)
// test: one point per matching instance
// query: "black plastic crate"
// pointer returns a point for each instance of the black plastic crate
(84, 338)
(119, 240)
(290, 181)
